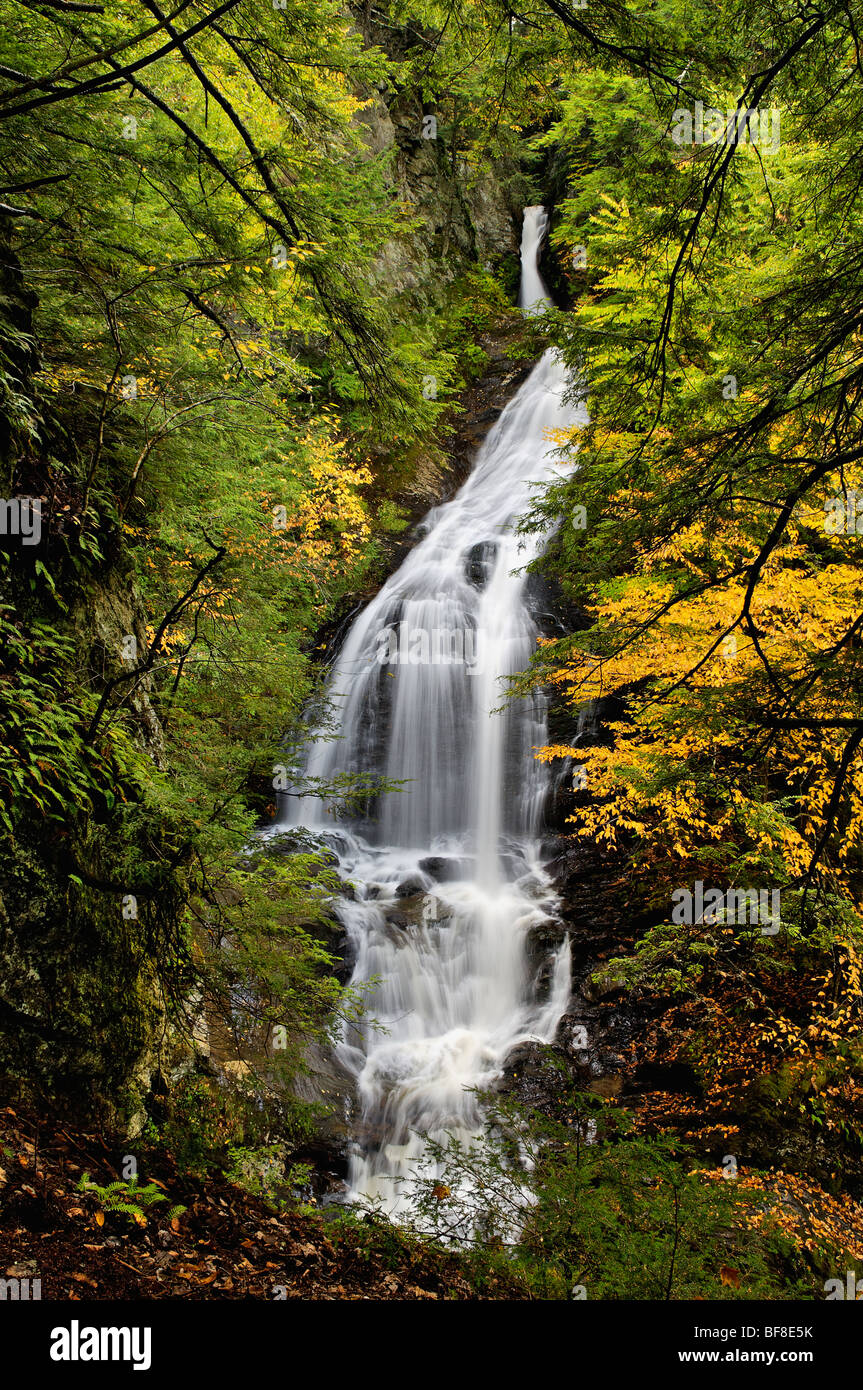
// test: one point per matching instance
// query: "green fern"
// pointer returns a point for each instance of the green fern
(128, 1197)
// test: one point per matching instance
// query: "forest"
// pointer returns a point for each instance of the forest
(337, 963)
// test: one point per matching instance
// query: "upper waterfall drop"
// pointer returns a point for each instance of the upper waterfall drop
(533, 297)
(446, 870)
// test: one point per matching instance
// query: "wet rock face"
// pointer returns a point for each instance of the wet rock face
(596, 1032)
(480, 563)
(465, 216)
(444, 869)
(413, 885)
(328, 1087)
(421, 910)
(554, 615)
(528, 1079)
(543, 942)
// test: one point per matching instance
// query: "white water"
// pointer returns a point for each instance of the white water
(455, 992)
(533, 297)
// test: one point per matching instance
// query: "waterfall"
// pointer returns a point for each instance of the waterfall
(533, 297)
(446, 873)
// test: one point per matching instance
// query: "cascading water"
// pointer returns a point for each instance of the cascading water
(533, 297)
(446, 870)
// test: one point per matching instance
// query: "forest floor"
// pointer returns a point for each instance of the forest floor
(227, 1244)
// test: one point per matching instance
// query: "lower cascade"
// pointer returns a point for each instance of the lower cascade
(446, 867)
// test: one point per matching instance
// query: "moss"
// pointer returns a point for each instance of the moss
(76, 1010)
